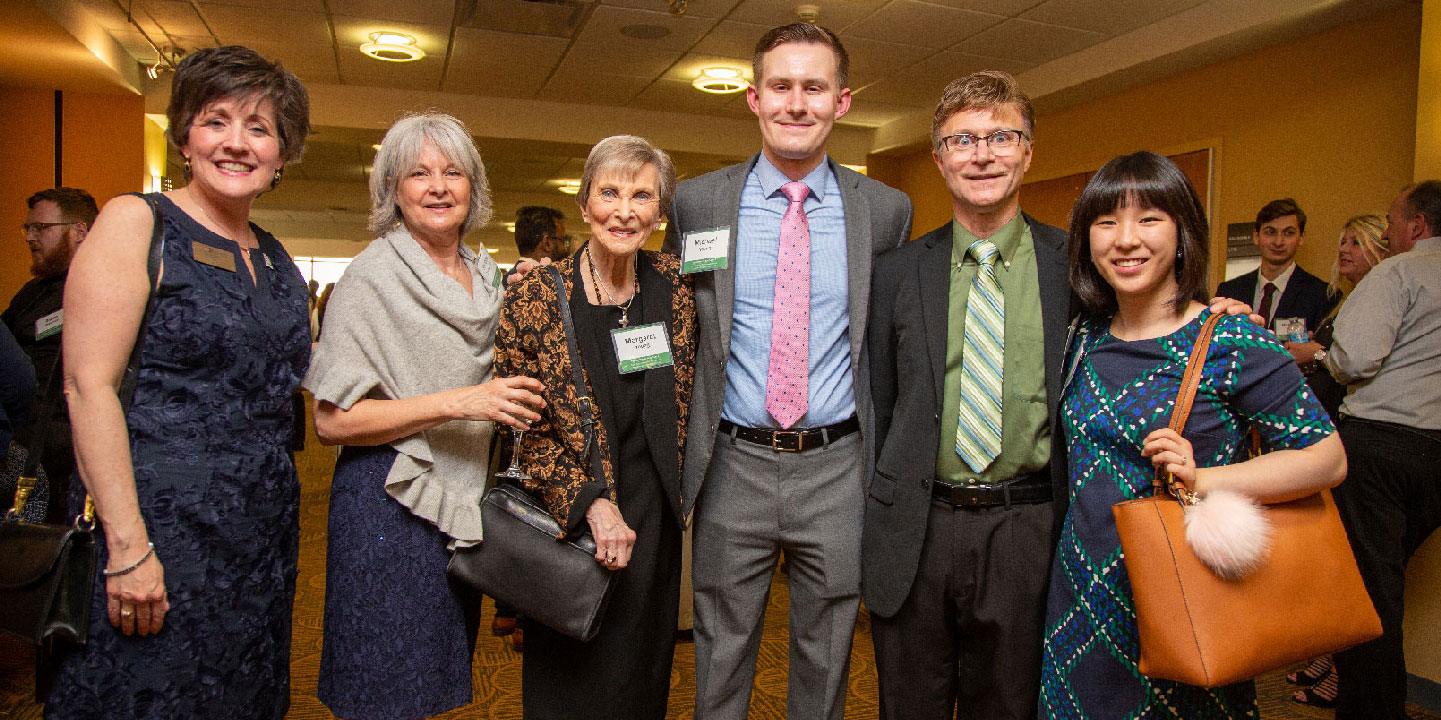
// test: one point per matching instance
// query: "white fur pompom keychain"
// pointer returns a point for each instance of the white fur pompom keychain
(1229, 533)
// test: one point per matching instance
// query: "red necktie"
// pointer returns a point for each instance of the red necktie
(1266, 294)
(787, 377)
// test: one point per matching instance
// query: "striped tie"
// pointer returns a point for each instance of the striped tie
(978, 434)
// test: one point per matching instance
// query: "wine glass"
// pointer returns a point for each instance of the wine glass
(515, 471)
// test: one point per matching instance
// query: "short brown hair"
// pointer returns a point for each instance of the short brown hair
(75, 205)
(1424, 199)
(803, 32)
(232, 71)
(1279, 209)
(1151, 181)
(982, 89)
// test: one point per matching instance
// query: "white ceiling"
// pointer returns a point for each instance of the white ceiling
(539, 81)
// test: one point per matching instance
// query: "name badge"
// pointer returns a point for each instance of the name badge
(703, 250)
(644, 347)
(499, 275)
(49, 325)
(214, 257)
(1291, 329)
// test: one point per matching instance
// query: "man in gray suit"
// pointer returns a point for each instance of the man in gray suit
(781, 418)
(963, 512)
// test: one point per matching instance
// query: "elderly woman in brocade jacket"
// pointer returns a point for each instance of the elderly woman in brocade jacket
(612, 286)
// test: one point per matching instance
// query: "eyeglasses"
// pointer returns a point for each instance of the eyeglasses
(563, 241)
(38, 227)
(1001, 142)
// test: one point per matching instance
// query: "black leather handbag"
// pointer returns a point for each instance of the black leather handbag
(557, 583)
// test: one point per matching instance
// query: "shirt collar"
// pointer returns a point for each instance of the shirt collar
(771, 178)
(1281, 280)
(1006, 240)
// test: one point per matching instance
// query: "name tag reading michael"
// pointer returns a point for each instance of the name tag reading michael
(641, 348)
(704, 250)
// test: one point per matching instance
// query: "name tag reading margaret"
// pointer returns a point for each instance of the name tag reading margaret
(644, 347)
(214, 257)
(703, 250)
(50, 324)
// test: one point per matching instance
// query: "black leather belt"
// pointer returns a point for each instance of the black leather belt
(792, 440)
(990, 495)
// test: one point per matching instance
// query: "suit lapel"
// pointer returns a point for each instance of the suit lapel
(728, 212)
(934, 284)
(858, 258)
(1052, 269)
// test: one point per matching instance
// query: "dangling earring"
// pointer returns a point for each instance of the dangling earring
(275, 181)
(186, 169)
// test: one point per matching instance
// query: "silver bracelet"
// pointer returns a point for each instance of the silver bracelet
(131, 569)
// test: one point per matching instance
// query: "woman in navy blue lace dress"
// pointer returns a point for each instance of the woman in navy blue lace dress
(1138, 263)
(195, 487)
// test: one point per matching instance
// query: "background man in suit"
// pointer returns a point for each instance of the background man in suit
(1387, 348)
(1287, 291)
(775, 462)
(958, 543)
(56, 224)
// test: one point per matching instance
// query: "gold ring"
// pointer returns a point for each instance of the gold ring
(125, 613)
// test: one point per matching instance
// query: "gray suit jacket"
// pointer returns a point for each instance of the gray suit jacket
(908, 335)
(878, 218)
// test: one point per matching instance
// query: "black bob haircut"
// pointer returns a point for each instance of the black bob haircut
(1151, 181)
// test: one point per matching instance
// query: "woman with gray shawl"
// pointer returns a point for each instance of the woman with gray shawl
(402, 379)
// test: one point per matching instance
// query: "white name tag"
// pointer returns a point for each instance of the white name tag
(1291, 329)
(49, 325)
(703, 250)
(641, 348)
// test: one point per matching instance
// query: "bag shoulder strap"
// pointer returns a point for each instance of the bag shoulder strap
(1186, 397)
(585, 403)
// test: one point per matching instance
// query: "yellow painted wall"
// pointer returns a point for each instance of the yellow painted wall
(1328, 119)
(1428, 95)
(102, 143)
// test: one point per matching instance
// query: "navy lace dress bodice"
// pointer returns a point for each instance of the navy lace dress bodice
(209, 430)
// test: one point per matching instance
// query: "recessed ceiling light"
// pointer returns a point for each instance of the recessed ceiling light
(570, 187)
(392, 47)
(375, 147)
(720, 80)
(645, 32)
(492, 251)
(510, 227)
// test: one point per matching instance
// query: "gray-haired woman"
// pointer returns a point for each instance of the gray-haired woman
(402, 378)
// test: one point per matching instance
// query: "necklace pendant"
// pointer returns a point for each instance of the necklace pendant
(624, 321)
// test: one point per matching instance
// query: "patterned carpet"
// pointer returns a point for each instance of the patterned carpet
(497, 666)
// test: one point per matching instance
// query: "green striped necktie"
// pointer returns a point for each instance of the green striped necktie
(978, 434)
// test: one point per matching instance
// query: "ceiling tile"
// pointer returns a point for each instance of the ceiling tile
(589, 86)
(1111, 17)
(732, 39)
(875, 58)
(920, 85)
(1030, 42)
(916, 23)
(835, 14)
(171, 18)
(866, 113)
(637, 61)
(604, 26)
(311, 63)
(1008, 8)
(235, 24)
(357, 69)
(693, 8)
(430, 12)
(316, 6)
(678, 96)
(488, 62)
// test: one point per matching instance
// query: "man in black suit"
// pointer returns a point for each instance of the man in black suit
(957, 549)
(1288, 292)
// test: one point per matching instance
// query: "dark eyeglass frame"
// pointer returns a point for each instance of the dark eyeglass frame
(949, 142)
(38, 227)
(563, 240)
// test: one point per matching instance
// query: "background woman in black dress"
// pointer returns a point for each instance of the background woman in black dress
(634, 511)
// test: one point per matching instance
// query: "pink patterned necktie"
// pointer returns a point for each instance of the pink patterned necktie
(787, 378)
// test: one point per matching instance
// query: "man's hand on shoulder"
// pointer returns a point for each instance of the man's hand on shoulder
(522, 269)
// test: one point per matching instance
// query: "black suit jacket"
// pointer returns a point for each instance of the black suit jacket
(907, 342)
(1305, 297)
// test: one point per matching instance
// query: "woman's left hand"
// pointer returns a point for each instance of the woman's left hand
(1305, 353)
(1167, 448)
(613, 538)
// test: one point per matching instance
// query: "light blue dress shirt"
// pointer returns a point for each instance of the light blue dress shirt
(832, 392)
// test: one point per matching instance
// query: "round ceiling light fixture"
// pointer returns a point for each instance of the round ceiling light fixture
(720, 80)
(392, 47)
